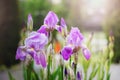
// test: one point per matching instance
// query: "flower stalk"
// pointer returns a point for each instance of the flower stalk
(75, 62)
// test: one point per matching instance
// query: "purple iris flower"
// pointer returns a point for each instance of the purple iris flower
(22, 52)
(86, 53)
(50, 23)
(66, 52)
(34, 44)
(75, 37)
(75, 40)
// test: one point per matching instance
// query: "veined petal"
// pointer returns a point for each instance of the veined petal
(21, 53)
(37, 59)
(51, 19)
(86, 53)
(36, 40)
(43, 60)
(66, 52)
(40, 59)
(75, 37)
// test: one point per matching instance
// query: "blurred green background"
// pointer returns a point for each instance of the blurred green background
(103, 19)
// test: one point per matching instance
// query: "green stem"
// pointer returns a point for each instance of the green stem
(75, 68)
(69, 77)
(62, 72)
(76, 60)
(85, 78)
(70, 61)
(48, 67)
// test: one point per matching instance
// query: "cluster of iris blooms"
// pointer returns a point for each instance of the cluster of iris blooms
(36, 43)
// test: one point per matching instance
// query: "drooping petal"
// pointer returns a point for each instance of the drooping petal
(40, 59)
(37, 59)
(51, 19)
(66, 52)
(86, 53)
(43, 60)
(30, 22)
(43, 30)
(21, 53)
(36, 40)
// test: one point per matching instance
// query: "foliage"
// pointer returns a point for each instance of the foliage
(10, 76)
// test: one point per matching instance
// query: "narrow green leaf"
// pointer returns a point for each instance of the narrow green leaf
(102, 75)
(24, 73)
(10, 76)
(93, 73)
(108, 76)
(61, 73)
(34, 76)
(55, 73)
(41, 74)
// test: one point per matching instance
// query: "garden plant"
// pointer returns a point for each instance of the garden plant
(55, 53)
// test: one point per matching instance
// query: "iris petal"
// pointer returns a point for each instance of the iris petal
(20, 53)
(66, 52)
(43, 60)
(36, 41)
(75, 37)
(40, 59)
(43, 30)
(51, 19)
